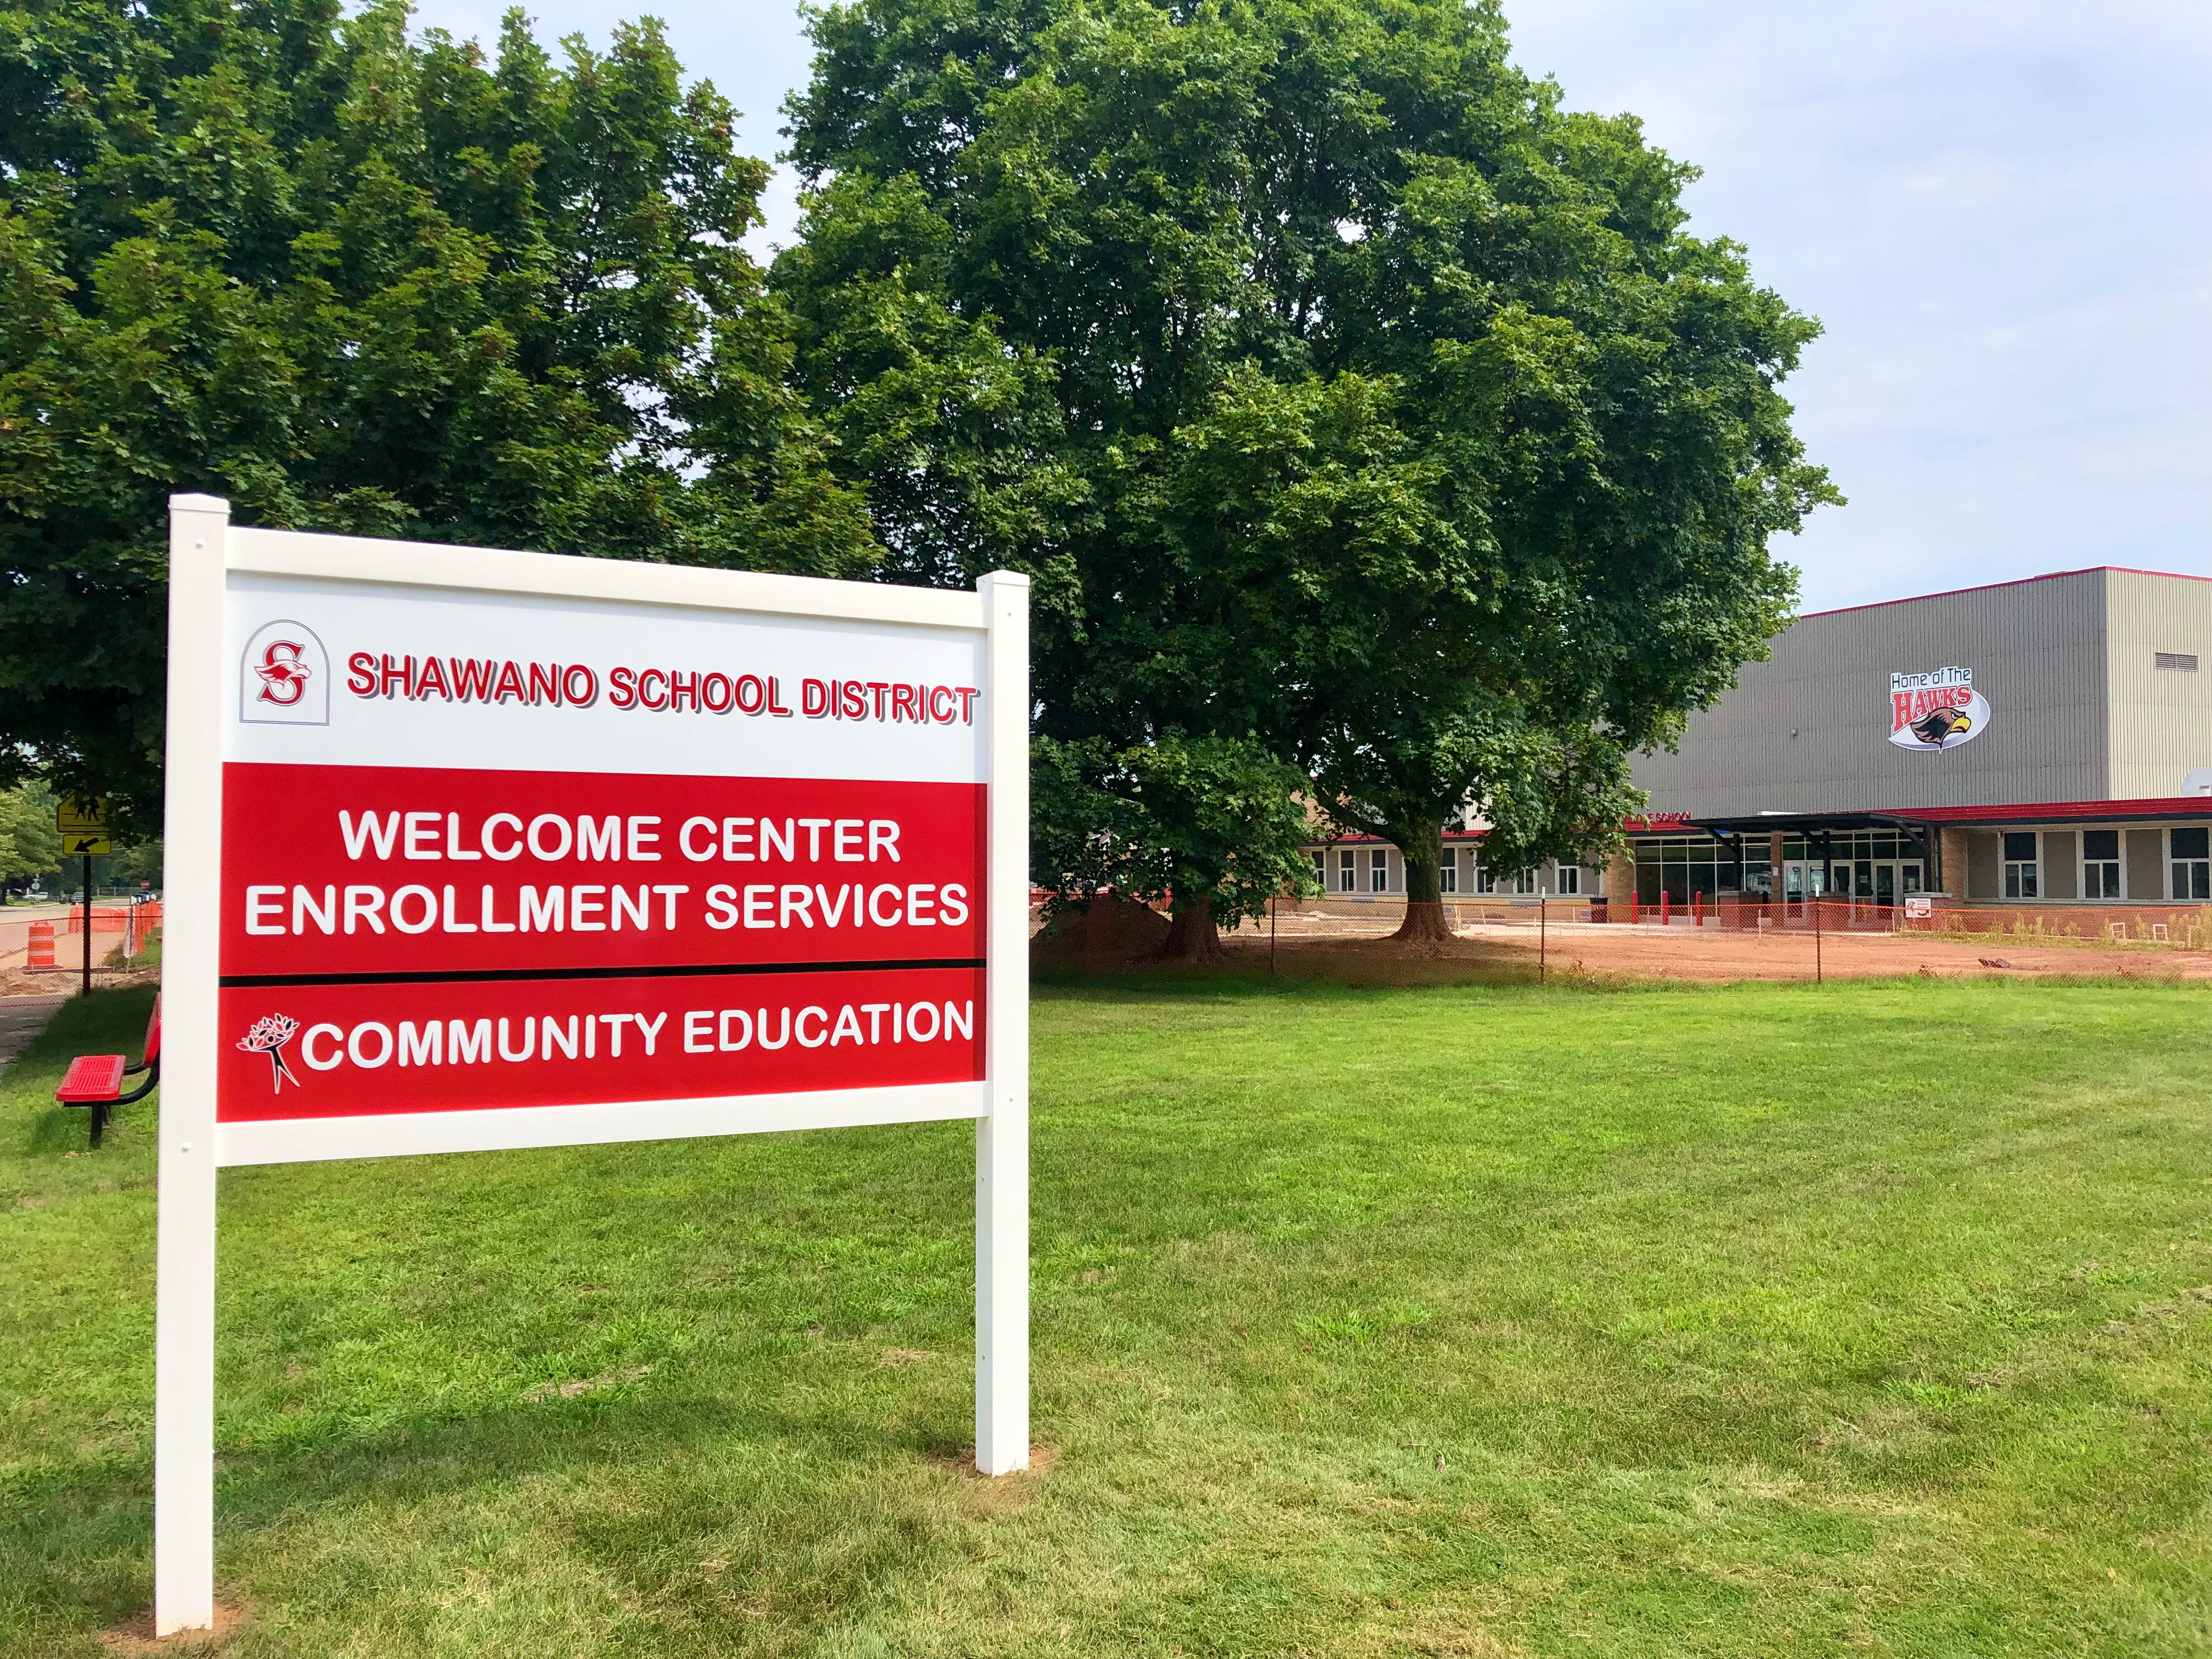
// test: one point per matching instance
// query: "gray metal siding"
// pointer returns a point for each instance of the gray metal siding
(2142, 853)
(1808, 730)
(2161, 718)
(2062, 864)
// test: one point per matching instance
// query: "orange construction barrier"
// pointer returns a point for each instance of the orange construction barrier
(41, 952)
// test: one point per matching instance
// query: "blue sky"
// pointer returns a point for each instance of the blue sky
(2003, 213)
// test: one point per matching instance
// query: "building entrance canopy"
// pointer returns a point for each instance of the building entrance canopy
(1876, 857)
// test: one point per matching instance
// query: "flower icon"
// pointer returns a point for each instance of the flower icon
(269, 1036)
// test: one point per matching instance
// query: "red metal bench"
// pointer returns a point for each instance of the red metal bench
(96, 1080)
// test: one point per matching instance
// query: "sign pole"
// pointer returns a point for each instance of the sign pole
(88, 924)
(184, 1322)
(1002, 1137)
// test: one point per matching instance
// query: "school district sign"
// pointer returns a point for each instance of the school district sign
(472, 849)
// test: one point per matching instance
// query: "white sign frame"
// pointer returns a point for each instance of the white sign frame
(205, 551)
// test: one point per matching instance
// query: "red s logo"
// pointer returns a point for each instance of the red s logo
(283, 676)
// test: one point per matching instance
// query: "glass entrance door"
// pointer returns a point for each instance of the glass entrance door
(1801, 880)
(1874, 869)
(1886, 883)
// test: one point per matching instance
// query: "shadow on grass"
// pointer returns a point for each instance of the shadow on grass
(76, 1540)
(1252, 971)
(107, 1022)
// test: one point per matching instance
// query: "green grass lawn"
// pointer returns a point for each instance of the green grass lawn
(1755, 1321)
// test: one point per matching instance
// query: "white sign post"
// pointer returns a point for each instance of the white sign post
(471, 849)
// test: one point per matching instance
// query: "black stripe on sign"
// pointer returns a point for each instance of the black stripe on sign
(484, 975)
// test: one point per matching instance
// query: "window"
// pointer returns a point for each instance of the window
(1346, 881)
(1570, 878)
(1321, 870)
(2176, 662)
(1378, 871)
(1682, 866)
(2192, 870)
(2020, 864)
(2101, 864)
(1486, 879)
(1447, 871)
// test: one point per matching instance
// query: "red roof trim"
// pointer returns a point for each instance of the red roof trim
(2168, 806)
(2018, 581)
(2057, 811)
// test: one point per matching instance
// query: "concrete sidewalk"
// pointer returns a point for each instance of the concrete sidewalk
(22, 1018)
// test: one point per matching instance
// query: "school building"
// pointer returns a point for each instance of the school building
(2046, 741)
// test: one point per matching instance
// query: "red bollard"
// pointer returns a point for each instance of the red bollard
(1666, 905)
(1697, 909)
(41, 952)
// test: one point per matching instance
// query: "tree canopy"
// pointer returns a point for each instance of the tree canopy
(359, 281)
(1349, 398)
(1372, 425)
(30, 845)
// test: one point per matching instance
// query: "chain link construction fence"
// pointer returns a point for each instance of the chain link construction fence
(1729, 937)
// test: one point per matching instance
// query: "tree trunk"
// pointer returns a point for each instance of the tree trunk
(1193, 936)
(1423, 851)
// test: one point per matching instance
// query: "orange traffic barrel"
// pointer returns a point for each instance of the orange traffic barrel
(41, 953)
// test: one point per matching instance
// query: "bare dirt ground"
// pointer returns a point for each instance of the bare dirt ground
(16, 981)
(1709, 955)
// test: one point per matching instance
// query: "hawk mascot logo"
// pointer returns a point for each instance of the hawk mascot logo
(1940, 727)
(1935, 711)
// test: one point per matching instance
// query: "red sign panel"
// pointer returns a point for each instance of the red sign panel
(408, 939)
(340, 1050)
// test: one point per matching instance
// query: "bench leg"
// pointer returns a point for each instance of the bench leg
(98, 1120)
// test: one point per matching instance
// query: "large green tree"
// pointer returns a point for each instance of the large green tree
(361, 281)
(1164, 819)
(1348, 396)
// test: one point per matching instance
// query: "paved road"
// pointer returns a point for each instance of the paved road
(15, 921)
(22, 1018)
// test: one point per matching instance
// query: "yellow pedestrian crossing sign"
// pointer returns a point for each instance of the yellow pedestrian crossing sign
(83, 823)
